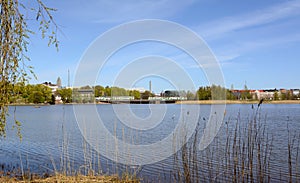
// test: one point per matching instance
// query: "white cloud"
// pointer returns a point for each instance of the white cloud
(228, 24)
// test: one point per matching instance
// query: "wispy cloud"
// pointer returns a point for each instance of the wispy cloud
(116, 11)
(229, 52)
(222, 26)
(258, 44)
(225, 59)
(235, 36)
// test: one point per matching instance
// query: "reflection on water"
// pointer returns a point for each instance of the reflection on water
(52, 140)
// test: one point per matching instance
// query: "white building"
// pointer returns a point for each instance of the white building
(53, 87)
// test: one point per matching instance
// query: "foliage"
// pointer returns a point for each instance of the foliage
(14, 40)
(31, 94)
(214, 92)
(99, 91)
(218, 92)
(229, 95)
(40, 94)
(135, 93)
(65, 94)
(276, 96)
(246, 93)
(52, 102)
(116, 91)
(107, 91)
(289, 96)
(146, 95)
(204, 93)
(190, 95)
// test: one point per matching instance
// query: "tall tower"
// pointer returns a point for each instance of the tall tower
(58, 82)
(68, 78)
(150, 86)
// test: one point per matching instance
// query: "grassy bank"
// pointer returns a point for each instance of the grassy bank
(63, 178)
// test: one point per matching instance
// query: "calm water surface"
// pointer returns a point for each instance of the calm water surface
(52, 140)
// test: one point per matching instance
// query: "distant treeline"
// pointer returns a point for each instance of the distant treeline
(41, 93)
(31, 94)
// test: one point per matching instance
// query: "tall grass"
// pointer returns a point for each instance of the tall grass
(241, 152)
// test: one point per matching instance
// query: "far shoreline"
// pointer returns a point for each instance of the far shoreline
(238, 102)
(203, 102)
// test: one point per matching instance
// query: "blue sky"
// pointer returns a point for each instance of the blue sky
(255, 42)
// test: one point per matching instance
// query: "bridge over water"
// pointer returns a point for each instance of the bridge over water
(131, 100)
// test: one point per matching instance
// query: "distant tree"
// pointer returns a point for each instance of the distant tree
(107, 91)
(136, 94)
(276, 96)
(218, 92)
(117, 91)
(283, 96)
(246, 93)
(229, 95)
(36, 97)
(204, 93)
(39, 94)
(289, 95)
(190, 95)
(52, 100)
(99, 91)
(65, 94)
(47, 92)
(146, 95)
